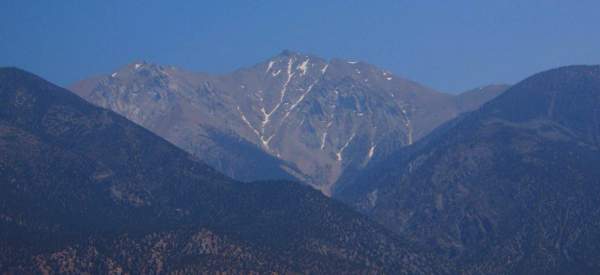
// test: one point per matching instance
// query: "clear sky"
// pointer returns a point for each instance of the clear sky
(448, 45)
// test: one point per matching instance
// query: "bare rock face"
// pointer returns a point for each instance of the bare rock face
(299, 115)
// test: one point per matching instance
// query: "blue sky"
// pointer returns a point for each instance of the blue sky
(448, 45)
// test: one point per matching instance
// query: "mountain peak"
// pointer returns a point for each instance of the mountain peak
(14, 71)
(138, 64)
(551, 94)
(321, 117)
(287, 52)
(568, 96)
(141, 66)
(17, 76)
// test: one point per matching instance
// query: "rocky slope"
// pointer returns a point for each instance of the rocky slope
(82, 189)
(173, 103)
(509, 189)
(314, 119)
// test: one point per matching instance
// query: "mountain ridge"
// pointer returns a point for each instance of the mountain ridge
(85, 190)
(504, 189)
(321, 118)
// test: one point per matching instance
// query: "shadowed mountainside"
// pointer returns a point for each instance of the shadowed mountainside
(510, 188)
(85, 190)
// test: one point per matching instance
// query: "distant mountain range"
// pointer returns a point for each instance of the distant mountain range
(509, 189)
(293, 116)
(83, 190)
(497, 180)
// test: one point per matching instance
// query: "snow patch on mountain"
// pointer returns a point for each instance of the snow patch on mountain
(341, 151)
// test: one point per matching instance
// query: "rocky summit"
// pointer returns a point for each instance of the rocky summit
(300, 116)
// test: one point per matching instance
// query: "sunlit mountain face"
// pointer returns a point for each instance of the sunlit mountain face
(293, 116)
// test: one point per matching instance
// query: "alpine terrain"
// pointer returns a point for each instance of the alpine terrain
(300, 116)
(83, 190)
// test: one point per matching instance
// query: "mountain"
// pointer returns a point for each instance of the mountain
(473, 99)
(168, 101)
(83, 190)
(508, 189)
(353, 184)
(315, 119)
